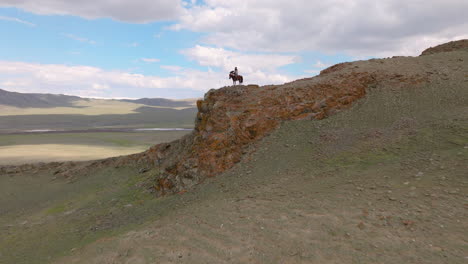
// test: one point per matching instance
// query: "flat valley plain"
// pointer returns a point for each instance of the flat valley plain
(98, 123)
(47, 147)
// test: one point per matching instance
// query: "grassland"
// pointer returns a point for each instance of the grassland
(89, 107)
(94, 113)
(86, 114)
(18, 149)
(383, 182)
(146, 117)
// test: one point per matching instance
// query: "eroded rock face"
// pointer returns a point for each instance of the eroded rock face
(447, 47)
(230, 119)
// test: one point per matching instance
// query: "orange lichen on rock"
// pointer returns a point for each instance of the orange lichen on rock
(230, 119)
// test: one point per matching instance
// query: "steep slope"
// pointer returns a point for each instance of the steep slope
(382, 182)
(460, 45)
(230, 119)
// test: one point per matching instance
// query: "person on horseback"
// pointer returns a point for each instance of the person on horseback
(234, 75)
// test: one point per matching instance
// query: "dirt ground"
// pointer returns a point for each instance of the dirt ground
(383, 182)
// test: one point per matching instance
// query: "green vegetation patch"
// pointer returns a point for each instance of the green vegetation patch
(103, 204)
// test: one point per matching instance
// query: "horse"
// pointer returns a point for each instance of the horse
(236, 78)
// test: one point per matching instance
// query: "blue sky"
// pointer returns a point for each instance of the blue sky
(181, 49)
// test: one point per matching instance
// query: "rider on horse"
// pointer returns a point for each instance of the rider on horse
(234, 75)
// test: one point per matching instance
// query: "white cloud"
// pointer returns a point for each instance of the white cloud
(321, 65)
(93, 81)
(227, 60)
(17, 20)
(97, 86)
(356, 27)
(256, 68)
(317, 67)
(150, 60)
(173, 68)
(135, 11)
(80, 39)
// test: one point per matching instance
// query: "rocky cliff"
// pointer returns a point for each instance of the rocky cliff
(386, 165)
(231, 119)
(460, 45)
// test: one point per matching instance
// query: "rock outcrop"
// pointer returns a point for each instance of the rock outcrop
(447, 47)
(231, 119)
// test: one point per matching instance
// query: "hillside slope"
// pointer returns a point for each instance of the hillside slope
(23, 100)
(230, 119)
(382, 181)
(38, 100)
(460, 45)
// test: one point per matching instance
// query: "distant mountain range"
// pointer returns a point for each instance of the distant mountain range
(161, 102)
(37, 100)
(23, 100)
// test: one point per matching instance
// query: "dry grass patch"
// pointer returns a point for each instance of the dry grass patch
(21, 154)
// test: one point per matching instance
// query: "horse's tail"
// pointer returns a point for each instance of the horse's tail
(241, 79)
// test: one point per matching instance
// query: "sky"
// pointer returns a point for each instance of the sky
(183, 48)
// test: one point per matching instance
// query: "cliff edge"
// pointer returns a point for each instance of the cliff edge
(459, 45)
(231, 119)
